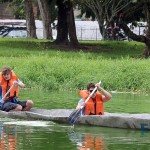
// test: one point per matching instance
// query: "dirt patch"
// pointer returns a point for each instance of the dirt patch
(82, 47)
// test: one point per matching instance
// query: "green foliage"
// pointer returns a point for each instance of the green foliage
(18, 8)
(86, 11)
(118, 65)
(3, 1)
(53, 11)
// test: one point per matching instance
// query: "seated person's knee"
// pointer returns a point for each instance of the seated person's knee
(29, 103)
(19, 108)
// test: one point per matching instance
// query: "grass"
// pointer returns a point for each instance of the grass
(45, 67)
(40, 65)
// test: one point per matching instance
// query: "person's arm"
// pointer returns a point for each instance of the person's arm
(106, 96)
(80, 103)
(19, 83)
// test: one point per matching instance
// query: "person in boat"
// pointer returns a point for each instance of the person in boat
(11, 102)
(95, 105)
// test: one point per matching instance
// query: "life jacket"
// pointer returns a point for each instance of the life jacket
(7, 84)
(91, 107)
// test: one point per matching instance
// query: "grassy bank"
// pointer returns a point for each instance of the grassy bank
(40, 65)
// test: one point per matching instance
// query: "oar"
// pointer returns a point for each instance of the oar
(75, 115)
(6, 93)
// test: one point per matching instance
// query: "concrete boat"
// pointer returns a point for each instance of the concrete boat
(113, 120)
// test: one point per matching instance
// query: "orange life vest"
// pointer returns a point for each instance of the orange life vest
(92, 107)
(7, 84)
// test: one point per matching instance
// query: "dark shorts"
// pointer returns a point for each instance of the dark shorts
(12, 104)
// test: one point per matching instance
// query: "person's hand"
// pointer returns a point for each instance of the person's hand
(15, 83)
(83, 104)
(80, 105)
(98, 85)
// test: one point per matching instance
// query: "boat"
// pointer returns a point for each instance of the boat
(113, 120)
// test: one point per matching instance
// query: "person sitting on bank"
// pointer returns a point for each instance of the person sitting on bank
(95, 105)
(11, 102)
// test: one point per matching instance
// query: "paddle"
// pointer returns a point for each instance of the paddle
(6, 94)
(75, 115)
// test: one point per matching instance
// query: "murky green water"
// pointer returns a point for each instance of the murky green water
(42, 135)
(122, 102)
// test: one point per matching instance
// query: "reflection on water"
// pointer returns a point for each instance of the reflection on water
(97, 138)
(22, 135)
(8, 138)
(30, 123)
(87, 141)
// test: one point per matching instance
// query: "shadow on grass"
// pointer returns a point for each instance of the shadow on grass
(108, 49)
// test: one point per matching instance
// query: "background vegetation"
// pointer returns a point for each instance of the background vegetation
(41, 65)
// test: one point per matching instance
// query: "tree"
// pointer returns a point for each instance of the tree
(30, 21)
(71, 25)
(122, 12)
(62, 29)
(44, 6)
(86, 11)
(66, 24)
(139, 6)
(18, 8)
(105, 11)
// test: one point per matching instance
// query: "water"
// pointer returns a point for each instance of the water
(129, 103)
(43, 135)
(120, 102)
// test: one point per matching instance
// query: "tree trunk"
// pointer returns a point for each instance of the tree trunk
(147, 14)
(71, 25)
(62, 28)
(139, 38)
(44, 6)
(100, 21)
(30, 21)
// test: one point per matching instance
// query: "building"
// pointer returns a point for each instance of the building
(6, 12)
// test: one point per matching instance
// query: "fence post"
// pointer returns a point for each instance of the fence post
(81, 33)
(96, 34)
(12, 31)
